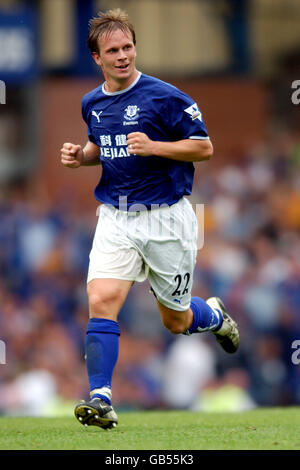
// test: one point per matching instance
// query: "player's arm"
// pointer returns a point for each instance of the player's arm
(187, 150)
(74, 155)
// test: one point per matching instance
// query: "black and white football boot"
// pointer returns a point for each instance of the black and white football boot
(228, 335)
(96, 412)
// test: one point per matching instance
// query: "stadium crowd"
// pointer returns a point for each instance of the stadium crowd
(250, 258)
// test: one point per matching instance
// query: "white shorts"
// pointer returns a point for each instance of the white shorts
(159, 245)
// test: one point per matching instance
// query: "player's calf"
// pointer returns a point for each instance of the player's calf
(175, 321)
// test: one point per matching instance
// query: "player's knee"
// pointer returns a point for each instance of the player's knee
(97, 304)
(102, 304)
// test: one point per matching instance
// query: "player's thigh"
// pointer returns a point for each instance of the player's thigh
(113, 255)
(106, 297)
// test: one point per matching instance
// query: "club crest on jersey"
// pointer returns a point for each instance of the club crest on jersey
(131, 112)
(194, 112)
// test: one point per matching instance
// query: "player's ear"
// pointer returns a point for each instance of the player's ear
(97, 58)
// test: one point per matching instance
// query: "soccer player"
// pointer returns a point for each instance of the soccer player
(145, 134)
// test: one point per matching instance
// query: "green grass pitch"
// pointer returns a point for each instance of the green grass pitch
(259, 429)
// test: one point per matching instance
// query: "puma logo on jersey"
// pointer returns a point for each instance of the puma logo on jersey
(194, 112)
(97, 115)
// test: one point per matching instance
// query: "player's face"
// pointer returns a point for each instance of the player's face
(117, 59)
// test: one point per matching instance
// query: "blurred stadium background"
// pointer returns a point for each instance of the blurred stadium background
(238, 59)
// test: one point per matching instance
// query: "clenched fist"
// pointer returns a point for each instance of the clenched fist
(71, 155)
(139, 144)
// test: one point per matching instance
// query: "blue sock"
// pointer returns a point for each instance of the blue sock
(205, 318)
(102, 349)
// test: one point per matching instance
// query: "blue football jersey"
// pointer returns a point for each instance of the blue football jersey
(163, 113)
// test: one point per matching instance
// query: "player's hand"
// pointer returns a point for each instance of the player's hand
(139, 144)
(71, 155)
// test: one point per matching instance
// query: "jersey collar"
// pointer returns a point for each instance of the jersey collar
(113, 93)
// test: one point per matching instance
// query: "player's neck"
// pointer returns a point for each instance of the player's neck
(111, 85)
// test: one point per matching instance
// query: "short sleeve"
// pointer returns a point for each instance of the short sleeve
(84, 113)
(184, 118)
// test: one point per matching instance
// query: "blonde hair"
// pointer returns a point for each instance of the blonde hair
(106, 23)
